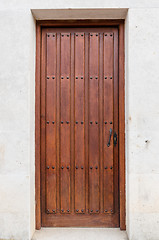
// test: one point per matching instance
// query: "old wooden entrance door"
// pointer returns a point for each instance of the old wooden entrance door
(79, 127)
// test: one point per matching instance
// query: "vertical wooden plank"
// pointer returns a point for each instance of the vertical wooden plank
(122, 128)
(101, 101)
(58, 123)
(79, 125)
(43, 127)
(116, 123)
(37, 128)
(108, 122)
(51, 124)
(86, 119)
(72, 177)
(93, 123)
(65, 123)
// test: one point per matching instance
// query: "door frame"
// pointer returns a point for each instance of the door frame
(121, 138)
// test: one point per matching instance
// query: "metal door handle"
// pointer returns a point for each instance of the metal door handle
(110, 131)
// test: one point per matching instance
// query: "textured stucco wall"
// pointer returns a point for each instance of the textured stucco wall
(142, 118)
(17, 74)
(17, 78)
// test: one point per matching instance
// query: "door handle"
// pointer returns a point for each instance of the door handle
(110, 134)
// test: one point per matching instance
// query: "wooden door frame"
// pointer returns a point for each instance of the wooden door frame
(121, 138)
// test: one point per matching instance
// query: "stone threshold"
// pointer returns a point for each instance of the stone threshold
(80, 234)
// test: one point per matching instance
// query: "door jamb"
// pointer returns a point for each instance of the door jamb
(71, 23)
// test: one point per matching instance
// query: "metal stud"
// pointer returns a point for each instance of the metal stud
(48, 210)
(67, 122)
(76, 122)
(81, 77)
(111, 167)
(47, 77)
(111, 34)
(68, 210)
(91, 210)
(96, 35)
(91, 168)
(111, 210)
(105, 35)
(76, 77)
(76, 167)
(82, 210)
(111, 122)
(105, 122)
(96, 167)
(97, 210)
(110, 77)
(96, 122)
(62, 210)
(62, 167)
(105, 167)
(53, 77)
(82, 122)
(62, 77)
(91, 35)
(76, 35)
(106, 210)
(91, 122)
(82, 167)
(53, 167)
(81, 35)
(47, 122)
(53, 122)
(53, 35)
(53, 210)
(47, 167)
(68, 35)
(67, 77)
(96, 77)
(61, 122)
(77, 210)
(91, 77)
(62, 35)
(105, 77)
(48, 35)
(68, 167)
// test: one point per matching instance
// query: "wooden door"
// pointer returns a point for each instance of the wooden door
(79, 127)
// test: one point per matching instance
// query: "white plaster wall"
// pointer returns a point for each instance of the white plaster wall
(142, 115)
(17, 78)
(17, 50)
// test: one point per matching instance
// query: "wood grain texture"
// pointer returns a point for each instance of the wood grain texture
(93, 122)
(58, 122)
(65, 138)
(51, 168)
(43, 126)
(37, 129)
(81, 23)
(108, 122)
(80, 168)
(71, 102)
(122, 128)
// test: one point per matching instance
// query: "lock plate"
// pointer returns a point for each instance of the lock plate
(115, 139)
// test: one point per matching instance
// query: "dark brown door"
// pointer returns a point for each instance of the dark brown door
(79, 124)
